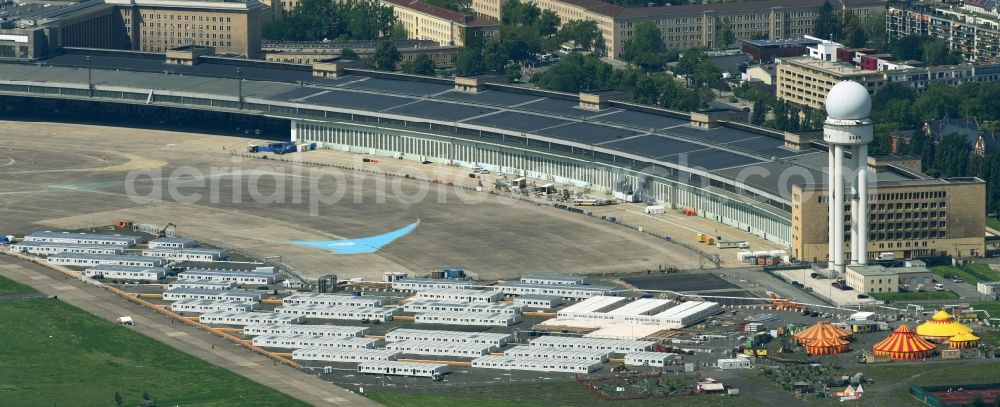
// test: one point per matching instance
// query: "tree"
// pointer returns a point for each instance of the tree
(827, 26)
(118, 399)
(725, 35)
(513, 72)
(516, 13)
(759, 113)
(469, 61)
(385, 57)
(314, 20)
(854, 34)
(645, 47)
(584, 34)
(951, 156)
(348, 53)
(421, 65)
(548, 23)
(936, 52)
(874, 27)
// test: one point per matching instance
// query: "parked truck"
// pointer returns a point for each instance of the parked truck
(732, 244)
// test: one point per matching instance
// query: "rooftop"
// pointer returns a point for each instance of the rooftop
(441, 12)
(611, 10)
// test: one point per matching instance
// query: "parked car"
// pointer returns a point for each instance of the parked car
(958, 280)
(939, 287)
(863, 296)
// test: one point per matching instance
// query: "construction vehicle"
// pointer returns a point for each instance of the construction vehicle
(163, 232)
(123, 224)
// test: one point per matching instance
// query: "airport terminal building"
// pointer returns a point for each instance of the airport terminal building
(728, 172)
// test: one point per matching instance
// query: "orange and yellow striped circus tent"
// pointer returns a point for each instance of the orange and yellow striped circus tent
(963, 340)
(826, 346)
(903, 344)
(941, 327)
(822, 329)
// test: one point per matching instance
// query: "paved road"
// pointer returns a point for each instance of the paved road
(187, 339)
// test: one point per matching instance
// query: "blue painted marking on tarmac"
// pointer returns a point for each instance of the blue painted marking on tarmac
(369, 244)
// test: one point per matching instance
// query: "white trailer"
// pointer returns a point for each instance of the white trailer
(432, 370)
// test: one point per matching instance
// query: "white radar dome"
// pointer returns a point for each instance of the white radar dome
(848, 100)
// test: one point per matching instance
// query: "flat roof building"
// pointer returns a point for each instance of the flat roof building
(467, 318)
(658, 359)
(247, 318)
(176, 294)
(238, 277)
(806, 81)
(357, 313)
(464, 307)
(201, 284)
(459, 294)
(89, 260)
(610, 345)
(333, 299)
(437, 348)
(187, 254)
(320, 354)
(294, 341)
(536, 364)
(487, 338)
(308, 330)
(538, 301)
(201, 306)
(424, 21)
(415, 284)
(83, 238)
(564, 291)
(172, 243)
(404, 369)
(49, 248)
(552, 279)
(126, 272)
(540, 352)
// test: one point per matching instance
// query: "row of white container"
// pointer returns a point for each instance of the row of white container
(177, 294)
(459, 294)
(487, 338)
(414, 284)
(83, 238)
(538, 301)
(417, 347)
(90, 260)
(333, 299)
(312, 330)
(391, 367)
(50, 248)
(609, 345)
(536, 364)
(238, 277)
(342, 312)
(292, 341)
(126, 272)
(463, 318)
(197, 284)
(242, 318)
(343, 355)
(424, 305)
(187, 254)
(202, 306)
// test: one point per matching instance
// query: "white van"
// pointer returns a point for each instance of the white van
(939, 287)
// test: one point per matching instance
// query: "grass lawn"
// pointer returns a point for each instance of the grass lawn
(8, 286)
(57, 354)
(992, 222)
(916, 295)
(541, 394)
(993, 307)
(971, 273)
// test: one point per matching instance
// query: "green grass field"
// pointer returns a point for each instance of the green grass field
(971, 273)
(992, 222)
(56, 354)
(8, 286)
(916, 295)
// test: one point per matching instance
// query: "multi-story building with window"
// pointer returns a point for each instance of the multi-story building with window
(686, 26)
(806, 81)
(230, 27)
(972, 29)
(424, 21)
(917, 217)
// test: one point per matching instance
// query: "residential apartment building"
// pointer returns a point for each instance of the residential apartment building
(424, 21)
(230, 27)
(308, 52)
(973, 29)
(685, 26)
(918, 217)
(806, 81)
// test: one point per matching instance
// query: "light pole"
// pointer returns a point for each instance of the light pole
(239, 82)
(90, 81)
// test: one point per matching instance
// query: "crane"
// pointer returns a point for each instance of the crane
(163, 232)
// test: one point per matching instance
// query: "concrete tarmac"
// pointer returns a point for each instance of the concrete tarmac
(190, 340)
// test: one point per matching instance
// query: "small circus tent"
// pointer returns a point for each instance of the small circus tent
(823, 329)
(941, 327)
(826, 346)
(964, 340)
(903, 344)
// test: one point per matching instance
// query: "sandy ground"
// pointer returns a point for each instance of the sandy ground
(62, 176)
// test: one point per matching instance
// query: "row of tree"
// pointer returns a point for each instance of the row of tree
(314, 20)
